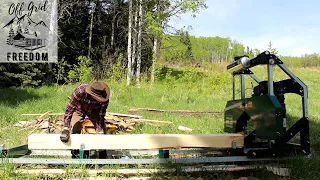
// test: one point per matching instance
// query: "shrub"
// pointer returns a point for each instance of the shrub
(81, 72)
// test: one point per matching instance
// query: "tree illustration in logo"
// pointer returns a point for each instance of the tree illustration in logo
(26, 30)
(10, 37)
(19, 30)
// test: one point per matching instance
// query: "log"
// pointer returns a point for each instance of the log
(135, 141)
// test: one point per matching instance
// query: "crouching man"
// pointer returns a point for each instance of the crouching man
(90, 100)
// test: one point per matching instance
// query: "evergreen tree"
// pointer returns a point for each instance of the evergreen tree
(185, 39)
(10, 37)
(189, 46)
(271, 49)
(19, 30)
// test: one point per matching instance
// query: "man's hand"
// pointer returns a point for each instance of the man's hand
(65, 135)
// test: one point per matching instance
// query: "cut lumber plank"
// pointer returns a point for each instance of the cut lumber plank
(186, 129)
(153, 121)
(120, 122)
(135, 141)
(42, 116)
(175, 111)
(124, 115)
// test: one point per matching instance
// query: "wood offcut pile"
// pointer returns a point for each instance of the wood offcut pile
(115, 123)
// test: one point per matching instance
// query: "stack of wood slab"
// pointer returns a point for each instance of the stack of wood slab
(115, 123)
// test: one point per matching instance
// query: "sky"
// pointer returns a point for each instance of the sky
(292, 26)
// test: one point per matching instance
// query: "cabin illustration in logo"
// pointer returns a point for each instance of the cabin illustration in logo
(28, 41)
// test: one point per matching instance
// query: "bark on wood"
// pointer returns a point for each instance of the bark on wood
(155, 48)
(139, 43)
(91, 26)
(129, 44)
(115, 3)
(154, 57)
(134, 39)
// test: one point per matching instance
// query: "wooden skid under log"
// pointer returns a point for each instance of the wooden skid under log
(135, 141)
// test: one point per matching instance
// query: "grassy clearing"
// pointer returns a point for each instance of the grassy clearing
(176, 88)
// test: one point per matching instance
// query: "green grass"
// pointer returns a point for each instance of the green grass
(176, 88)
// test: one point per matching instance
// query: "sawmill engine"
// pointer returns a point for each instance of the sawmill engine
(262, 117)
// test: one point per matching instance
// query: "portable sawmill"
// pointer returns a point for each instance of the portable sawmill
(256, 129)
(262, 117)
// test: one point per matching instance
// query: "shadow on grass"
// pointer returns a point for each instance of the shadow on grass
(314, 125)
(13, 96)
(304, 167)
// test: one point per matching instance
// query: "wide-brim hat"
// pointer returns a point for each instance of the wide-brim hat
(99, 90)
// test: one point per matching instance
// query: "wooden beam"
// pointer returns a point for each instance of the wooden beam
(135, 141)
(124, 115)
(152, 121)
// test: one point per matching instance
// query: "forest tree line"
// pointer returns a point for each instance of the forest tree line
(124, 40)
(183, 47)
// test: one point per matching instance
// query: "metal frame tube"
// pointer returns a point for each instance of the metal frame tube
(270, 80)
(305, 89)
(255, 78)
(233, 88)
(243, 91)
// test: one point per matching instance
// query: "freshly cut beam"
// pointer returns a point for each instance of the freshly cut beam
(135, 141)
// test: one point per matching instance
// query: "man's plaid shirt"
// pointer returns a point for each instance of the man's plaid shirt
(81, 104)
